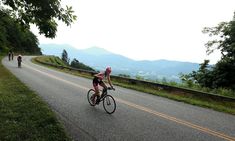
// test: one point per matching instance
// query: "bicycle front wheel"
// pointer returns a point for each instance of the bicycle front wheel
(109, 104)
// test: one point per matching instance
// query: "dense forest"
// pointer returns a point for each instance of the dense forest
(14, 37)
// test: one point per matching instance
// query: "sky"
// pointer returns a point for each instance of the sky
(145, 29)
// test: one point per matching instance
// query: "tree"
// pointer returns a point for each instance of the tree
(64, 57)
(224, 71)
(76, 64)
(222, 74)
(225, 39)
(13, 36)
(202, 77)
(42, 13)
(3, 32)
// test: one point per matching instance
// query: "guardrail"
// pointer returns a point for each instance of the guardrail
(153, 85)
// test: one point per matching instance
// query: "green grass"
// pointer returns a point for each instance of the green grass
(41, 58)
(219, 91)
(52, 59)
(223, 106)
(23, 114)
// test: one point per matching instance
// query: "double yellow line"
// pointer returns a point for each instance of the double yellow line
(188, 124)
(145, 109)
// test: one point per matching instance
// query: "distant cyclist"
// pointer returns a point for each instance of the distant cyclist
(12, 55)
(98, 81)
(19, 59)
(9, 55)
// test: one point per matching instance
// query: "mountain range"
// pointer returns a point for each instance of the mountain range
(99, 58)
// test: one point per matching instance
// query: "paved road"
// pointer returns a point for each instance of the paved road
(138, 117)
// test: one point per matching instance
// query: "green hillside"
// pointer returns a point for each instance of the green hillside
(52, 60)
(55, 60)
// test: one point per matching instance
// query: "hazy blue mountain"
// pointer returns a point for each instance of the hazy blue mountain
(99, 58)
(56, 49)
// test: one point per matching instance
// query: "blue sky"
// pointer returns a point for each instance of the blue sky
(145, 29)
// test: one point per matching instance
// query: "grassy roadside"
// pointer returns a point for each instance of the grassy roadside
(23, 114)
(222, 106)
(54, 60)
(47, 60)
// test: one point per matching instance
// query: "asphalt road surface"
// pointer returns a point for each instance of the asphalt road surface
(138, 117)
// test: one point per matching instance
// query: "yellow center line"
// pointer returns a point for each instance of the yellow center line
(194, 126)
(142, 108)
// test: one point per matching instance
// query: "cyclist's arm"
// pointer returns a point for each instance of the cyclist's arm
(98, 75)
(109, 81)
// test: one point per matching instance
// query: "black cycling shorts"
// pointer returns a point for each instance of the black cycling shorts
(97, 81)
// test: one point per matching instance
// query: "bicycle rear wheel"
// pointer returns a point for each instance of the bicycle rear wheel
(109, 104)
(90, 93)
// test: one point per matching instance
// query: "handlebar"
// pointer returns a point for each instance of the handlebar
(111, 88)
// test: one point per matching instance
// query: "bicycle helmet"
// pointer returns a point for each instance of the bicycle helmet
(108, 70)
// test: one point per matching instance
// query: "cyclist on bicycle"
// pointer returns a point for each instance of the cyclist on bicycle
(19, 59)
(98, 81)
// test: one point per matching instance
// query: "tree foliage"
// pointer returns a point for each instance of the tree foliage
(42, 13)
(13, 36)
(17, 15)
(76, 64)
(64, 57)
(222, 74)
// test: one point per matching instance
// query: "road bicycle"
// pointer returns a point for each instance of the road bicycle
(109, 103)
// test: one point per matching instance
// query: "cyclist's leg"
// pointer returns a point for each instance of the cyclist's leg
(102, 84)
(96, 88)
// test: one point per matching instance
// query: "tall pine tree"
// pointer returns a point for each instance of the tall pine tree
(64, 57)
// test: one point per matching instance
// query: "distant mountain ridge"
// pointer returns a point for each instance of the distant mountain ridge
(99, 58)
